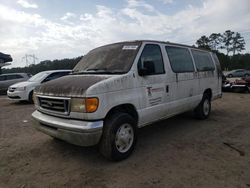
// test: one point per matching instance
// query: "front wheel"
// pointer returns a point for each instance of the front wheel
(202, 111)
(31, 97)
(119, 136)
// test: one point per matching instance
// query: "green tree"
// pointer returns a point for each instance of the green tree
(238, 43)
(228, 40)
(203, 42)
(46, 65)
(215, 41)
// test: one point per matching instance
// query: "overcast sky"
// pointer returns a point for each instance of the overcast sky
(57, 29)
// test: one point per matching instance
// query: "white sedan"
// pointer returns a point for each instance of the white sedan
(23, 91)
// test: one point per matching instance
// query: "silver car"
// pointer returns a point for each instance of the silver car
(8, 79)
(238, 73)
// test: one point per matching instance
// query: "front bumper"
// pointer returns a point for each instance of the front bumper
(17, 95)
(83, 133)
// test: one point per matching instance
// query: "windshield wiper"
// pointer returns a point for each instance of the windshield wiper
(80, 72)
(104, 69)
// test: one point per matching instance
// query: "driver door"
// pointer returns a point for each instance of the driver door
(153, 84)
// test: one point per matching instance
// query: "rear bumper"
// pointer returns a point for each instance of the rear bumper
(83, 133)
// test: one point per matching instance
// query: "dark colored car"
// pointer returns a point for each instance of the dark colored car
(8, 79)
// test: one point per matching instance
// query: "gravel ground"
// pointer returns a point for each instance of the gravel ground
(178, 152)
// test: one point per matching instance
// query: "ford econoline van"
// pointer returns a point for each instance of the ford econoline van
(118, 88)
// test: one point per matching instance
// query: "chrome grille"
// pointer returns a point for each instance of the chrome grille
(57, 105)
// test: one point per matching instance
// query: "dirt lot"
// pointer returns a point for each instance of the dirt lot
(178, 152)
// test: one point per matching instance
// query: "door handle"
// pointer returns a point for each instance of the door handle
(167, 89)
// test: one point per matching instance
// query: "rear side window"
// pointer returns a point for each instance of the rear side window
(13, 76)
(2, 78)
(18, 76)
(152, 53)
(217, 62)
(180, 59)
(203, 61)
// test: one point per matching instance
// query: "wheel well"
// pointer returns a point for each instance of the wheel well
(208, 92)
(127, 108)
(31, 93)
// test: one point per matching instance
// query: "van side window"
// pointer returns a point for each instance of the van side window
(180, 59)
(203, 61)
(217, 63)
(152, 55)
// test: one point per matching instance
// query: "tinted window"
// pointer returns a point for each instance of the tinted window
(2, 78)
(152, 53)
(18, 76)
(180, 59)
(14, 76)
(217, 62)
(203, 61)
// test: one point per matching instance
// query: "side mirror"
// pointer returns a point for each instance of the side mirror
(147, 69)
(143, 71)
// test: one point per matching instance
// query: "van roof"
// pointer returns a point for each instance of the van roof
(166, 42)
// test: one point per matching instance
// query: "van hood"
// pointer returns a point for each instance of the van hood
(69, 86)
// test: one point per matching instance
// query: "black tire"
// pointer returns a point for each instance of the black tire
(31, 97)
(230, 76)
(202, 112)
(112, 126)
(246, 75)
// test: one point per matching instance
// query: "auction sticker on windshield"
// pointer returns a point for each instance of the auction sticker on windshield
(131, 47)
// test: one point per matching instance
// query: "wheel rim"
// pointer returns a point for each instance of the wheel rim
(206, 107)
(124, 138)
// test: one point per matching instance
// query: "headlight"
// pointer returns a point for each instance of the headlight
(21, 88)
(84, 105)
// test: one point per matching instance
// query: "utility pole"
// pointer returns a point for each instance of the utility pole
(30, 58)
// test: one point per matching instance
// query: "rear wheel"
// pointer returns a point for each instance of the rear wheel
(230, 76)
(246, 75)
(202, 111)
(119, 137)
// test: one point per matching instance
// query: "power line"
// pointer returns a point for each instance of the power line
(28, 58)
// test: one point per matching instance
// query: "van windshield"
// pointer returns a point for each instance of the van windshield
(110, 59)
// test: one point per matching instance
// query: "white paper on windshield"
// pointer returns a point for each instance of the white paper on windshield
(132, 47)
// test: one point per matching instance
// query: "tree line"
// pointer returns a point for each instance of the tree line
(232, 43)
(45, 65)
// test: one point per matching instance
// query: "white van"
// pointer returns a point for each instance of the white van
(118, 88)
